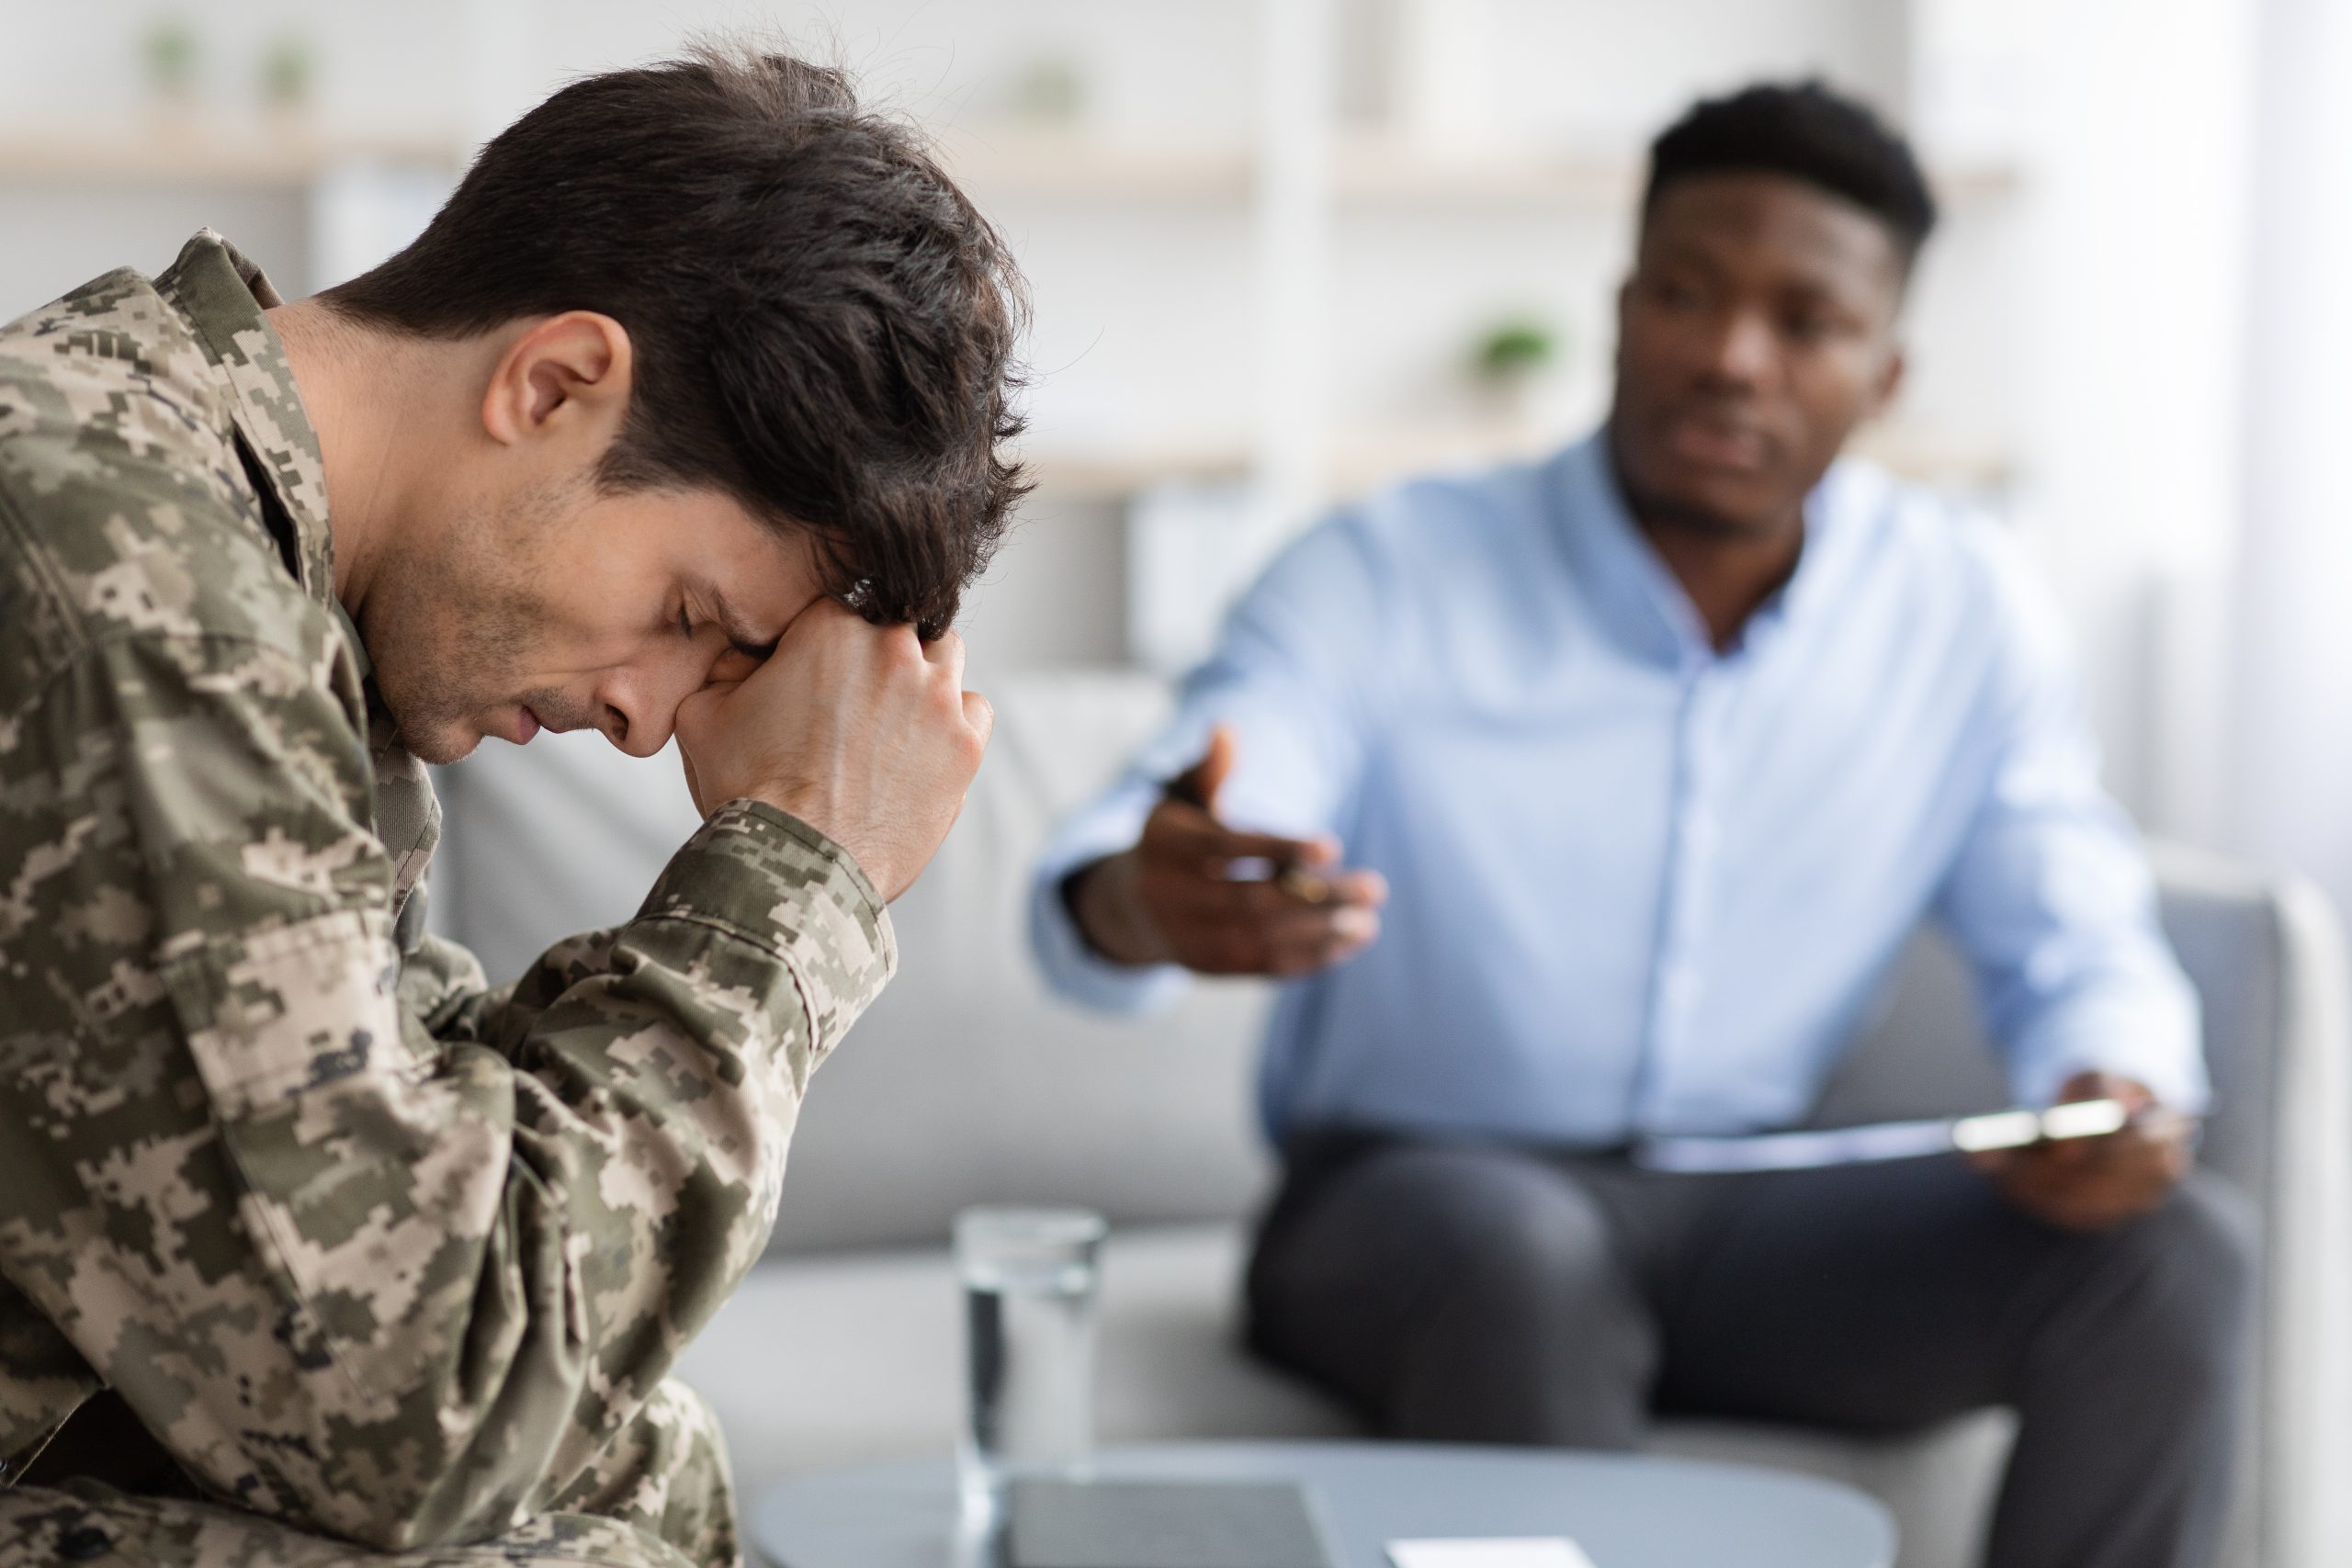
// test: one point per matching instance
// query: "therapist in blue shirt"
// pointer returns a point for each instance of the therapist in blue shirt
(1602, 791)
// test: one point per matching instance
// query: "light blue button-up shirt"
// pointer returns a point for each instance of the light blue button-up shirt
(1639, 885)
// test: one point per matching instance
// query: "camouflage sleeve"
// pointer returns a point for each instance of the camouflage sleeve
(396, 1288)
(41, 1376)
(442, 985)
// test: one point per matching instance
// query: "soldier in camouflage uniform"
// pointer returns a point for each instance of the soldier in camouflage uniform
(308, 1237)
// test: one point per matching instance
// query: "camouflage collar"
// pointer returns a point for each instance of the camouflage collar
(223, 296)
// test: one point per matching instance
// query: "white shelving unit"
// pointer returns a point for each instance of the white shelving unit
(311, 204)
(1340, 179)
(1272, 299)
(1366, 458)
(1478, 160)
(1394, 229)
(1366, 169)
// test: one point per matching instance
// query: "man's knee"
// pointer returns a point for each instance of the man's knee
(1436, 1250)
(2215, 1233)
(1522, 1324)
(2188, 1273)
(1512, 1232)
(1545, 1253)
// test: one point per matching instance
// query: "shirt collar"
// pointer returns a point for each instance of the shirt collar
(1636, 595)
(223, 296)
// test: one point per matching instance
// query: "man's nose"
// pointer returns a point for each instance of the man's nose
(1743, 350)
(635, 715)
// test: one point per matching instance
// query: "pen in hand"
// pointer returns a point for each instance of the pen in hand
(1187, 788)
(1223, 900)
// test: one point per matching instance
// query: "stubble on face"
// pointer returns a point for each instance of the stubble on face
(452, 632)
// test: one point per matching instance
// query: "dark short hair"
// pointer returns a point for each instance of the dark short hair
(822, 325)
(1809, 132)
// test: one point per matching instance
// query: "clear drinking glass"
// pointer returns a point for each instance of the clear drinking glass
(1029, 1326)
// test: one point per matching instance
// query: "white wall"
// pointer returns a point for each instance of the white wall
(2137, 221)
(2286, 746)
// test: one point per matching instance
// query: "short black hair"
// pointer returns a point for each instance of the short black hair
(1808, 131)
(823, 326)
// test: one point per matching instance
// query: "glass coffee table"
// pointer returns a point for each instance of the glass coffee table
(1624, 1510)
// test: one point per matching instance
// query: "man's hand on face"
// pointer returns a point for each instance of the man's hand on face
(864, 733)
(2089, 1184)
(1174, 898)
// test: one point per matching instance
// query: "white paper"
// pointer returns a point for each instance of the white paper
(1495, 1551)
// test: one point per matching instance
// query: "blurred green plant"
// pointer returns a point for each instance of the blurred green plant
(170, 50)
(1514, 349)
(1049, 91)
(286, 70)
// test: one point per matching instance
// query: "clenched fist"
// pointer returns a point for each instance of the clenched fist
(864, 733)
(1179, 895)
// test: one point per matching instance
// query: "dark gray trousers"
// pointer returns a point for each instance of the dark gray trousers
(1489, 1293)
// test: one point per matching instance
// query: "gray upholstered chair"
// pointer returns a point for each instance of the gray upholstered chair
(966, 1083)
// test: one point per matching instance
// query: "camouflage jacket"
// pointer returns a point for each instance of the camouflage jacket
(372, 1249)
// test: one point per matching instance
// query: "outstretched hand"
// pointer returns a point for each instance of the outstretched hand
(1214, 898)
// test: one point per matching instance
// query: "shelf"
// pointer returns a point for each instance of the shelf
(1114, 474)
(1368, 458)
(1375, 169)
(1068, 166)
(1366, 169)
(197, 152)
(995, 163)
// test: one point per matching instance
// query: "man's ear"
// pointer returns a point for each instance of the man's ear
(566, 374)
(1890, 381)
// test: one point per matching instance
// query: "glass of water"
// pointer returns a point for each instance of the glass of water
(1029, 1281)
